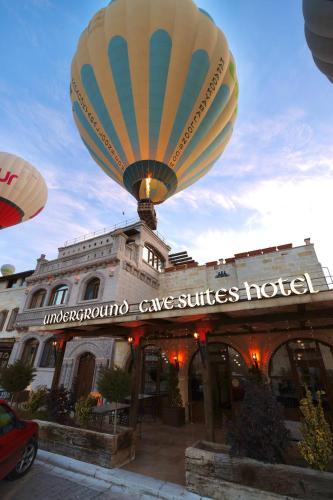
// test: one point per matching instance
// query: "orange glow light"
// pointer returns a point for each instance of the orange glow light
(148, 182)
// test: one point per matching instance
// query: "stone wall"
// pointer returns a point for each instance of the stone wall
(93, 447)
(209, 467)
(254, 267)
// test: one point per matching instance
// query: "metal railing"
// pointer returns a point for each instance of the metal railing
(107, 230)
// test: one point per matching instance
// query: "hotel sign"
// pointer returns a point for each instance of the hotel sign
(281, 287)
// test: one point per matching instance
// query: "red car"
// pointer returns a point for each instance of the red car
(18, 443)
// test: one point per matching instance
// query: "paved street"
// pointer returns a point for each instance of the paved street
(48, 483)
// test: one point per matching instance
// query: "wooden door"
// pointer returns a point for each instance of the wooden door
(85, 375)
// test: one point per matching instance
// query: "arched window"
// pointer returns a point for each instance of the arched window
(12, 320)
(59, 295)
(92, 289)
(298, 363)
(48, 356)
(3, 317)
(153, 258)
(38, 298)
(29, 352)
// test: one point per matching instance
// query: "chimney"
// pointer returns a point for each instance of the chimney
(307, 241)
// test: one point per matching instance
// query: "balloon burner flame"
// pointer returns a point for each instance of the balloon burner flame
(148, 182)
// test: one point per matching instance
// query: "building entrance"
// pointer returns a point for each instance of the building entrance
(85, 375)
(228, 371)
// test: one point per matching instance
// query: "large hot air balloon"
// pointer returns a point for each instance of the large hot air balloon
(23, 191)
(154, 94)
(7, 269)
(318, 15)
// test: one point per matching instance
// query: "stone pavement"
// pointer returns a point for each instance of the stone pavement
(41, 483)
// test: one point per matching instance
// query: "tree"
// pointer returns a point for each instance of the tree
(15, 378)
(317, 444)
(259, 431)
(114, 384)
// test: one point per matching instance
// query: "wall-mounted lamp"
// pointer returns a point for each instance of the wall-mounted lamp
(130, 340)
(255, 359)
(202, 350)
(176, 363)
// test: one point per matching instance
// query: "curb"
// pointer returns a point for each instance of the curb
(131, 482)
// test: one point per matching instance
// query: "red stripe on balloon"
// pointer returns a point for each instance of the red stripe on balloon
(10, 214)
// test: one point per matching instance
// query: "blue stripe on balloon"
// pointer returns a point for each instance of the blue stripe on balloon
(206, 14)
(160, 52)
(216, 142)
(93, 92)
(93, 136)
(100, 161)
(119, 61)
(213, 113)
(200, 174)
(195, 79)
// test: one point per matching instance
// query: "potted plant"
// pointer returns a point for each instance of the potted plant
(114, 385)
(173, 413)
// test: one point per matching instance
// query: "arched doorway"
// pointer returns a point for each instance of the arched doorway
(302, 362)
(228, 371)
(85, 375)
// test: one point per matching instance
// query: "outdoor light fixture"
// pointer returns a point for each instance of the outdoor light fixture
(130, 340)
(201, 347)
(255, 359)
(176, 361)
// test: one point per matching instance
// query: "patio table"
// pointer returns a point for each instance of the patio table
(102, 411)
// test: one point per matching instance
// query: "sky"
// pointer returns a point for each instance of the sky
(273, 185)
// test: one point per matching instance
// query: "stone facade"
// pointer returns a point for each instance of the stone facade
(116, 258)
(12, 298)
(258, 266)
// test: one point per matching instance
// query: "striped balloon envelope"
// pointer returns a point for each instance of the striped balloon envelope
(318, 17)
(154, 94)
(23, 192)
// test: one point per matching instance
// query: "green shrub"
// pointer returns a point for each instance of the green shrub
(317, 444)
(83, 409)
(37, 399)
(60, 405)
(16, 378)
(259, 431)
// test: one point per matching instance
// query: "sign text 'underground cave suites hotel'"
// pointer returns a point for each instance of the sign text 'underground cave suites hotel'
(279, 288)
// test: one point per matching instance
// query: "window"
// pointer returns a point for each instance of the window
(92, 289)
(12, 283)
(48, 356)
(29, 352)
(153, 258)
(38, 299)
(12, 320)
(3, 317)
(59, 295)
(4, 358)
(298, 363)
